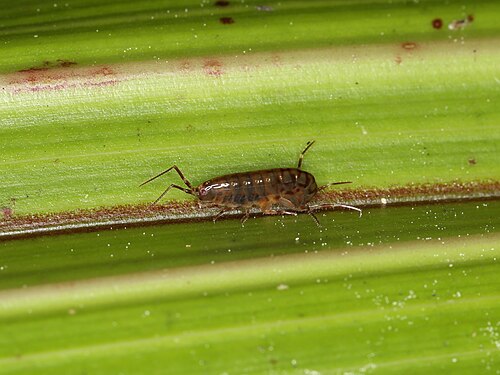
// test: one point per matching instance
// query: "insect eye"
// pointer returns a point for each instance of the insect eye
(203, 191)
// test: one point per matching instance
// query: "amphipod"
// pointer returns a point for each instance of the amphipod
(278, 191)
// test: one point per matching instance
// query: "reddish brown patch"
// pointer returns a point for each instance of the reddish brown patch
(409, 45)
(430, 191)
(7, 212)
(470, 18)
(221, 3)
(59, 75)
(213, 68)
(103, 71)
(437, 23)
(226, 20)
(276, 60)
(472, 161)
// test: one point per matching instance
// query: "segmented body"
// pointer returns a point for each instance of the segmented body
(290, 189)
(286, 187)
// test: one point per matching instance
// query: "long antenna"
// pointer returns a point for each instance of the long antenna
(155, 177)
(334, 183)
(188, 184)
(301, 156)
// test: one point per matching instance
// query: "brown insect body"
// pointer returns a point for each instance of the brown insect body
(288, 189)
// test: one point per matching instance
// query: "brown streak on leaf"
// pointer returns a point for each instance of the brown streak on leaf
(59, 75)
(189, 211)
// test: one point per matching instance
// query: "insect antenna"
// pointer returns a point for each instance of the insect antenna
(174, 186)
(301, 157)
(188, 184)
(333, 183)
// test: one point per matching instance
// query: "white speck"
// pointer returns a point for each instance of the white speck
(188, 245)
(35, 36)
(383, 200)
(264, 8)
(282, 287)
(146, 313)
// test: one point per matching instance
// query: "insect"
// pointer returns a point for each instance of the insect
(279, 191)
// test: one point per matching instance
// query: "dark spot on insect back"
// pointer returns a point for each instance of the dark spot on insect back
(437, 23)
(221, 3)
(226, 20)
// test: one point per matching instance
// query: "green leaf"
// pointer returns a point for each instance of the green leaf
(395, 102)
(359, 294)
(401, 99)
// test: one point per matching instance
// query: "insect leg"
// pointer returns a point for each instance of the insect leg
(188, 184)
(322, 206)
(314, 218)
(221, 212)
(245, 218)
(301, 157)
(170, 187)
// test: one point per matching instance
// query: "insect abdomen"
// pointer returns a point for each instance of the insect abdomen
(252, 188)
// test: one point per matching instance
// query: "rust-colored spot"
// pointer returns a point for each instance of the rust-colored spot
(437, 23)
(409, 45)
(7, 212)
(104, 71)
(277, 60)
(213, 68)
(226, 20)
(472, 161)
(221, 3)
(470, 18)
